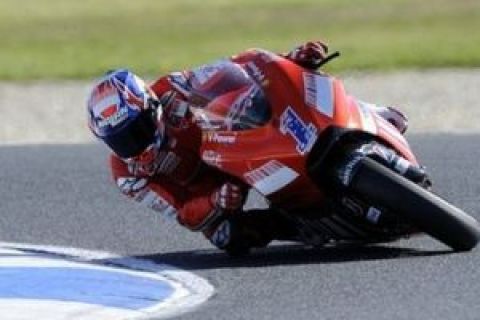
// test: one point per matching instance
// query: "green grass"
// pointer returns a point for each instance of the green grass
(82, 39)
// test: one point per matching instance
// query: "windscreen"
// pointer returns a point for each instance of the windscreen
(224, 97)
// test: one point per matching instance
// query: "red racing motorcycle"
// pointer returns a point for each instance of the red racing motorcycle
(327, 164)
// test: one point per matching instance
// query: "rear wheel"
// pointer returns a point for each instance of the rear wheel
(382, 187)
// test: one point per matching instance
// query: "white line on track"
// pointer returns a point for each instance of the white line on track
(56, 283)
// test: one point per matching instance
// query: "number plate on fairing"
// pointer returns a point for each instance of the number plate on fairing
(305, 135)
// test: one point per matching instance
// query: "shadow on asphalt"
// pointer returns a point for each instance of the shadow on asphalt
(286, 255)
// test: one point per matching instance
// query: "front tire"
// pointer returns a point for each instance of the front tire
(382, 187)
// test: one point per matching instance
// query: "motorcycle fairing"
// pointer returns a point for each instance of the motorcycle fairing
(301, 106)
(349, 113)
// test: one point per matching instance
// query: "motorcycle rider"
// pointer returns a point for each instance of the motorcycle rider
(155, 151)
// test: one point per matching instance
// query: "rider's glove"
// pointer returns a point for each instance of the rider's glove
(309, 55)
(228, 198)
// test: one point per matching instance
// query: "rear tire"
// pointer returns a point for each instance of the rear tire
(382, 187)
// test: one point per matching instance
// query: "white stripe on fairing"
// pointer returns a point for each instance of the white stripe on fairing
(189, 289)
(324, 99)
(276, 181)
(366, 115)
(319, 93)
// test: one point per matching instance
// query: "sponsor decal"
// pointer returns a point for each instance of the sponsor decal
(240, 106)
(270, 177)
(112, 115)
(373, 215)
(256, 73)
(379, 150)
(346, 174)
(221, 236)
(319, 93)
(154, 201)
(167, 162)
(219, 138)
(305, 135)
(109, 90)
(164, 163)
(130, 185)
(202, 120)
(212, 158)
(205, 72)
(106, 102)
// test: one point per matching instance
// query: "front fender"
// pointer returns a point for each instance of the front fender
(331, 144)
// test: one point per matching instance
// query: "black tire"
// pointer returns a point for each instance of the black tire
(417, 206)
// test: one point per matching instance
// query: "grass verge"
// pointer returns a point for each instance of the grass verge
(81, 39)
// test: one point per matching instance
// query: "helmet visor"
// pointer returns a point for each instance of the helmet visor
(135, 137)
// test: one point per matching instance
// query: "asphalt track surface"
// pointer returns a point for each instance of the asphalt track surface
(63, 195)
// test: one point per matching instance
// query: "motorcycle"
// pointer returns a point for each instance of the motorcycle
(328, 165)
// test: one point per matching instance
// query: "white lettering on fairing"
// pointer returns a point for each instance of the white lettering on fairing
(131, 184)
(205, 72)
(319, 93)
(218, 138)
(270, 177)
(154, 201)
(168, 163)
(212, 158)
(257, 74)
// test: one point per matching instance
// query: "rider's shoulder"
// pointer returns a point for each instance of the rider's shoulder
(256, 53)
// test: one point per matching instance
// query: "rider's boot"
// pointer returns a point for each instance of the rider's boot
(245, 230)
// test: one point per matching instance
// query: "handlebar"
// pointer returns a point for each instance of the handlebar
(332, 56)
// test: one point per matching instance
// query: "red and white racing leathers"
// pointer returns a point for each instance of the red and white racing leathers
(182, 187)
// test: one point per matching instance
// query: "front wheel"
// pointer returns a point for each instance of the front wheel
(382, 187)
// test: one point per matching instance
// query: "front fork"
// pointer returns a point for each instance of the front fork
(389, 158)
(347, 168)
(347, 217)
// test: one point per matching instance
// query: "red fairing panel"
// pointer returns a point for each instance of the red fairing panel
(267, 156)
(334, 107)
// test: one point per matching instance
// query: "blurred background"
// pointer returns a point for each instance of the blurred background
(399, 52)
(71, 39)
